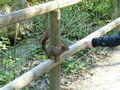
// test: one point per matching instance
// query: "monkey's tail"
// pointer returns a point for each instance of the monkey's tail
(43, 43)
(44, 39)
(44, 48)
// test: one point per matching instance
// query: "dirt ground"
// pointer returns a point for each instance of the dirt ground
(104, 76)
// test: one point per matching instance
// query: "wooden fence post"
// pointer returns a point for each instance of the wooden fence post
(117, 10)
(54, 24)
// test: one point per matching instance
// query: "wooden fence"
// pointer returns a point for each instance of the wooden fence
(49, 65)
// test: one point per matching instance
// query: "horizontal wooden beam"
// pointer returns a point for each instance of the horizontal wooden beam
(24, 14)
(36, 72)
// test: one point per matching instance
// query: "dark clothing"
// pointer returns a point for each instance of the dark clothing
(107, 41)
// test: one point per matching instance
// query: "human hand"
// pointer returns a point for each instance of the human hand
(88, 43)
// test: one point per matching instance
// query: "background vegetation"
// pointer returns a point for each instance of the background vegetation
(76, 22)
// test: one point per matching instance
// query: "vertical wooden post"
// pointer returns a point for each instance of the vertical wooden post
(117, 10)
(54, 24)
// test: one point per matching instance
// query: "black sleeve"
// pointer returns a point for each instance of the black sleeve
(107, 41)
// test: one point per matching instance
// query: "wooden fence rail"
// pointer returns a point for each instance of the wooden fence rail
(36, 72)
(24, 14)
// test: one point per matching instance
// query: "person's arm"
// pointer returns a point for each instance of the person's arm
(107, 41)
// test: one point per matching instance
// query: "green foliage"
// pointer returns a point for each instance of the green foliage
(4, 44)
(6, 77)
(104, 8)
(72, 65)
(40, 23)
(37, 53)
(74, 24)
(10, 70)
(8, 2)
(80, 20)
(34, 1)
(11, 63)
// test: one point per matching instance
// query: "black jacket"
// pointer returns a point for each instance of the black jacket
(107, 41)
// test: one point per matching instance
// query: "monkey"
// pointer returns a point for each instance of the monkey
(52, 51)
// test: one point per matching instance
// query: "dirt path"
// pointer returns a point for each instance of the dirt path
(106, 75)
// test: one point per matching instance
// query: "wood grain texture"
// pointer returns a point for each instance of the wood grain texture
(54, 24)
(24, 14)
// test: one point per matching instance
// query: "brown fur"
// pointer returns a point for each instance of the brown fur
(44, 39)
(52, 51)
